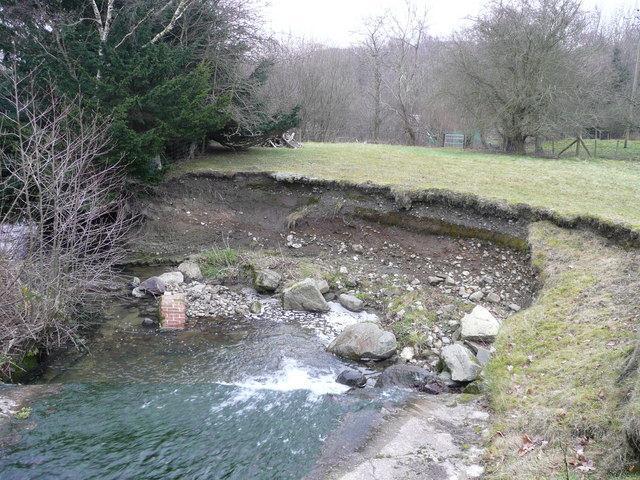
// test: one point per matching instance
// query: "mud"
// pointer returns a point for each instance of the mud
(209, 207)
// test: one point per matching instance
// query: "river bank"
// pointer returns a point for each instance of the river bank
(249, 380)
(240, 373)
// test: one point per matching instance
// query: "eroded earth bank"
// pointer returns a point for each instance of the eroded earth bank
(331, 332)
(417, 273)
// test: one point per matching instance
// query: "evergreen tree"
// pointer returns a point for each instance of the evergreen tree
(169, 73)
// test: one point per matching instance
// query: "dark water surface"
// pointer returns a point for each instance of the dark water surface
(250, 399)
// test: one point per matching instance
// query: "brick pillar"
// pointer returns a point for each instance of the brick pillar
(173, 311)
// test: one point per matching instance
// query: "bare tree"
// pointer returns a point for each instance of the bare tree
(374, 44)
(323, 81)
(518, 62)
(406, 75)
(64, 219)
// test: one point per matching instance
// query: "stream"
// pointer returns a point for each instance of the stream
(228, 399)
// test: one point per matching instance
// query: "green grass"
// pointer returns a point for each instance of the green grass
(556, 372)
(216, 262)
(607, 189)
(412, 328)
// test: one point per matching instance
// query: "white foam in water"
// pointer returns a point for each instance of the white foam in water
(337, 319)
(292, 377)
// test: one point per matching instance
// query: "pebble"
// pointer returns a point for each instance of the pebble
(493, 297)
(476, 296)
(514, 307)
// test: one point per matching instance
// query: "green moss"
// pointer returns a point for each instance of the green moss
(474, 388)
(23, 413)
(26, 366)
(441, 227)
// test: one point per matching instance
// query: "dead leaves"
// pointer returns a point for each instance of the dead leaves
(580, 462)
(530, 443)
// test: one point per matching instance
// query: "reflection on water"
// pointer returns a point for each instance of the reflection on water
(233, 399)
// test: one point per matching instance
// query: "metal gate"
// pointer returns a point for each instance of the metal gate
(455, 140)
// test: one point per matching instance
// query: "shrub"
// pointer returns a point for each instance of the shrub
(63, 222)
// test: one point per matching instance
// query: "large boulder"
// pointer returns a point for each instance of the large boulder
(153, 285)
(304, 296)
(364, 340)
(172, 278)
(322, 285)
(479, 325)
(190, 270)
(411, 376)
(352, 378)
(267, 281)
(461, 363)
(351, 302)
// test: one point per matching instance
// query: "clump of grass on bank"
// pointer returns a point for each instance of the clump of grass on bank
(556, 375)
(217, 262)
(414, 320)
(607, 189)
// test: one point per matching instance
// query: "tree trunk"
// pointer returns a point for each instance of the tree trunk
(515, 144)
(377, 110)
(413, 137)
(539, 150)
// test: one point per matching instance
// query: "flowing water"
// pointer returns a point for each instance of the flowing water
(232, 399)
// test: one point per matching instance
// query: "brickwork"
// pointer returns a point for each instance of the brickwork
(173, 311)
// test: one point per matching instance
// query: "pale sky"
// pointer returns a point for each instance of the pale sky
(336, 22)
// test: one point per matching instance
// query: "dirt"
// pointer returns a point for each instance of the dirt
(214, 209)
(191, 214)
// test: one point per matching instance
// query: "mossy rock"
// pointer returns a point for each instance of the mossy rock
(474, 388)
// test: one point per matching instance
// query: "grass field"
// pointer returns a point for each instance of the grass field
(556, 377)
(607, 189)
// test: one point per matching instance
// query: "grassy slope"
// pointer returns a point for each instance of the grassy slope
(556, 372)
(608, 189)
